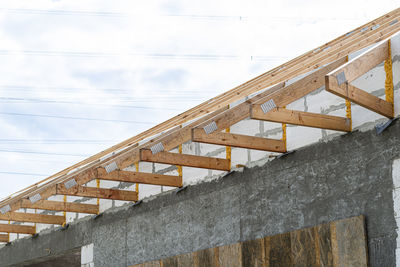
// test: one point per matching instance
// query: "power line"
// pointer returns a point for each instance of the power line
(43, 153)
(24, 173)
(145, 55)
(73, 118)
(56, 141)
(35, 100)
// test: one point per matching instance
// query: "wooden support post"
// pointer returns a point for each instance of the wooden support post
(238, 140)
(185, 160)
(140, 177)
(65, 212)
(137, 184)
(17, 229)
(284, 133)
(61, 206)
(94, 192)
(32, 217)
(4, 238)
(98, 199)
(180, 170)
(302, 118)
(389, 93)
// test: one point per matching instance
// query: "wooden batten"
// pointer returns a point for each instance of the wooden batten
(238, 140)
(61, 206)
(32, 217)
(17, 229)
(94, 192)
(185, 160)
(140, 177)
(300, 118)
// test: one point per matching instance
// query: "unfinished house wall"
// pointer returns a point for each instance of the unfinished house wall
(347, 176)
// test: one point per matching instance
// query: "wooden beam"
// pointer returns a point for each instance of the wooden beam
(4, 238)
(61, 206)
(238, 140)
(140, 177)
(94, 192)
(360, 97)
(300, 118)
(32, 217)
(364, 62)
(17, 229)
(185, 160)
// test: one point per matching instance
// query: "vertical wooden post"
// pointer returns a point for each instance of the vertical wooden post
(65, 213)
(137, 185)
(284, 133)
(98, 199)
(180, 172)
(389, 76)
(229, 148)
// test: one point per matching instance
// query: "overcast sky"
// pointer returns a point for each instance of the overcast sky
(80, 76)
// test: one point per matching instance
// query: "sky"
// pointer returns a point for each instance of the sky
(80, 76)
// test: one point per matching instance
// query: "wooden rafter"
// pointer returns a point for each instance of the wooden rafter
(140, 177)
(61, 206)
(185, 160)
(238, 140)
(17, 229)
(94, 192)
(338, 81)
(355, 40)
(300, 118)
(32, 217)
(4, 238)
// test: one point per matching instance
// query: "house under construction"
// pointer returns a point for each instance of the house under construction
(299, 166)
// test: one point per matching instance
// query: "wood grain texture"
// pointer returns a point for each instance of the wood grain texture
(324, 248)
(303, 248)
(351, 242)
(280, 253)
(32, 217)
(301, 118)
(93, 192)
(140, 177)
(230, 255)
(61, 206)
(185, 160)
(253, 253)
(4, 238)
(238, 140)
(17, 229)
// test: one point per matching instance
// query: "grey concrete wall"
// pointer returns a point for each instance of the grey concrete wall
(347, 176)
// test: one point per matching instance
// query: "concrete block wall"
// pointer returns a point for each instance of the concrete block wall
(350, 175)
(319, 101)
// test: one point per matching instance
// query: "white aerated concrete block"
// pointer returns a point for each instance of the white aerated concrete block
(87, 254)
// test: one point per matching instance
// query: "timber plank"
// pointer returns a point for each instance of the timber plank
(280, 250)
(140, 177)
(324, 247)
(301, 118)
(17, 229)
(253, 253)
(351, 242)
(303, 248)
(94, 192)
(364, 62)
(206, 257)
(61, 206)
(170, 262)
(238, 140)
(4, 238)
(32, 217)
(230, 255)
(185, 160)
